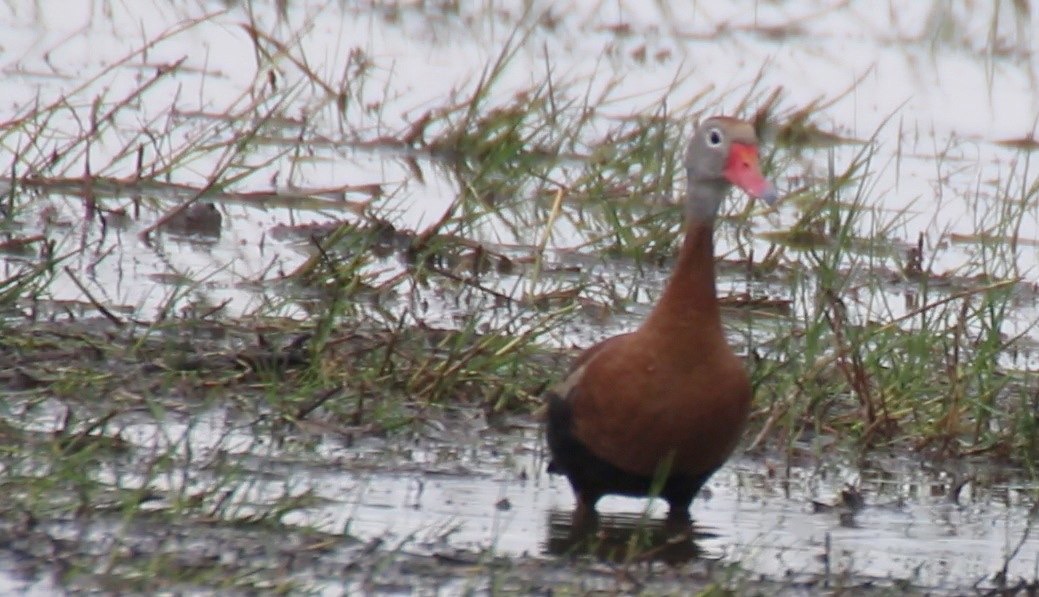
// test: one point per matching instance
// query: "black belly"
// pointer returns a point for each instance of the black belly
(592, 477)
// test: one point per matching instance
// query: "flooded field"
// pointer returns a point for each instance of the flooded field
(282, 284)
(191, 487)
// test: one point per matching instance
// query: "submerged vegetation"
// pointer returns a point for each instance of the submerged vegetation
(142, 387)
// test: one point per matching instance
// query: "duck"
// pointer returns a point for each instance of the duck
(656, 411)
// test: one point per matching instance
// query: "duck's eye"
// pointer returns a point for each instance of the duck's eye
(714, 137)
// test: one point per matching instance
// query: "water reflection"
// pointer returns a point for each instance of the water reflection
(625, 538)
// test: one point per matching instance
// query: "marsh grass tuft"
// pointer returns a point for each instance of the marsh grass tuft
(890, 353)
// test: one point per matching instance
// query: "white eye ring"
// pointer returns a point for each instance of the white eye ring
(714, 137)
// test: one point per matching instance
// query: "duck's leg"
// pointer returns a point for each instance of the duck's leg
(585, 515)
(678, 510)
(679, 493)
(678, 521)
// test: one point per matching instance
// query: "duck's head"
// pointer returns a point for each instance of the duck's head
(723, 153)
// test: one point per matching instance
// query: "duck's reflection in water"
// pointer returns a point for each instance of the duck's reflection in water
(626, 538)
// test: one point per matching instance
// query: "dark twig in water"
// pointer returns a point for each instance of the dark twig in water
(90, 297)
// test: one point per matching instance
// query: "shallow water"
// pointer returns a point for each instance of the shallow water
(767, 526)
(937, 86)
(457, 489)
(462, 486)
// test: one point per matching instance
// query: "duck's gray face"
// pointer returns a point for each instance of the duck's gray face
(726, 150)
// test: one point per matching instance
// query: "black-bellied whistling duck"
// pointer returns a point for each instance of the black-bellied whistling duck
(668, 401)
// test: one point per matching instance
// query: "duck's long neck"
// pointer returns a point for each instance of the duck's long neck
(689, 302)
